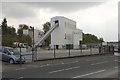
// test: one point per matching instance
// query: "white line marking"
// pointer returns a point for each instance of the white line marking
(89, 74)
(111, 56)
(64, 69)
(90, 59)
(70, 62)
(62, 63)
(56, 64)
(115, 60)
(48, 64)
(20, 68)
(20, 77)
(99, 63)
(76, 61)
(57, 71)
(116, 67)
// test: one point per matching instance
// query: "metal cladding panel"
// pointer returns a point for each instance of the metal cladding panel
(63, 34)
(57, 36)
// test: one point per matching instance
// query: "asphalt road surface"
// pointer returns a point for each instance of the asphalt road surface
(100, 66)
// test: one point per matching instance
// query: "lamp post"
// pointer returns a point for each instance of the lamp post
(33, 51)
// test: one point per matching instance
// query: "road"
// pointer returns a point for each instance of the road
(98, 66)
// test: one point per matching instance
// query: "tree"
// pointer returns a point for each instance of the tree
(46, 28)
(8, 34)
(101, 40)
(23, 26)
(24, 38)
(4, 26)
(89, 38)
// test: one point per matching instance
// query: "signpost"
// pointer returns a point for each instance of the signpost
(20, 45)
(32, 28)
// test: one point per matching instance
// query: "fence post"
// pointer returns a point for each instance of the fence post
(90, 50)
(36, 52)
(69, 51)
(113, 49)
(20, 57)
(54, 52)
(81, 47)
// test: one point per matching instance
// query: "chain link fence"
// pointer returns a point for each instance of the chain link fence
(43, 53)
(51, 53)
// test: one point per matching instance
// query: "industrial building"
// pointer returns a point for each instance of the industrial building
(65, 34)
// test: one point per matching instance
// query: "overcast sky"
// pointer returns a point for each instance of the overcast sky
(99, 18)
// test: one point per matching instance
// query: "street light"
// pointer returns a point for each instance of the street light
(33, 51)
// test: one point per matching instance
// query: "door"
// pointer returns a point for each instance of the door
(57, 46)
(6, 55)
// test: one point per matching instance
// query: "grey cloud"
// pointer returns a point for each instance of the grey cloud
(26, 9)
(16, 10)
(64, 7)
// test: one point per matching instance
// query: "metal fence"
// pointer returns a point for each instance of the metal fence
(52, 53)
(42, 53)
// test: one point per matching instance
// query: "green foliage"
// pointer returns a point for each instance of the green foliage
(46, 28)
(4, 26)
(9, 35)
(23, 26)
(89, 38)
(24, 38)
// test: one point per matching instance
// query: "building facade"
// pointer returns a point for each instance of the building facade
(37, 34)
(66, 33)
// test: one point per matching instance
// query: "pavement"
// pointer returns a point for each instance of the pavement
(97, 66)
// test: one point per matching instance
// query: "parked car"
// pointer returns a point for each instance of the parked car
(11, 55)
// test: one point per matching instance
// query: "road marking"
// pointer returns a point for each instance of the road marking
(20, 77)
(76, 61)
(111, 56)
(90, 59)
(48, 64)
(116, 67)
(55, 64)
(90, 73)
(116, 60)
(71, 62)
(99, 63)
(64, 69)
(20, 68)
(12, 79)
(62, 63)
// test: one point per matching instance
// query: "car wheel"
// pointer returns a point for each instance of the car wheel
(11, 61)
